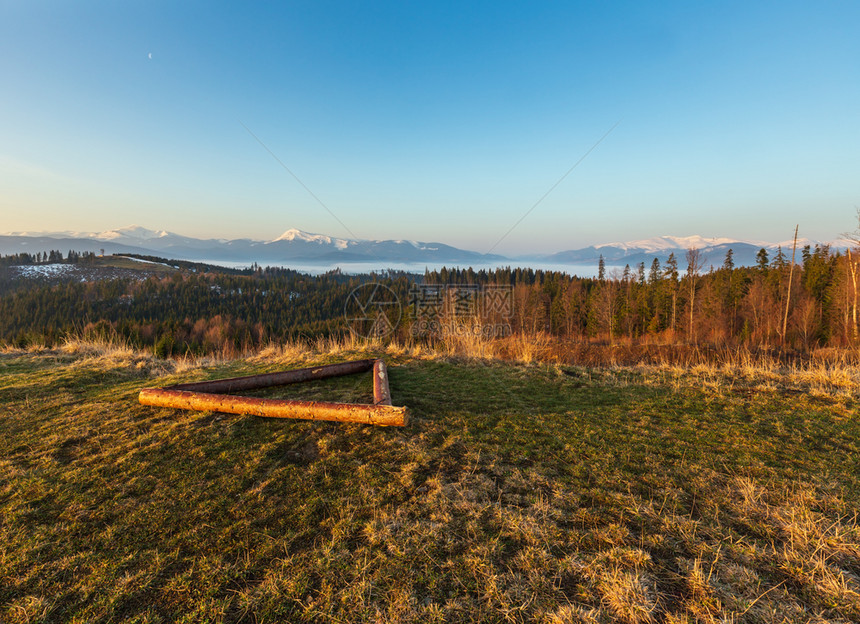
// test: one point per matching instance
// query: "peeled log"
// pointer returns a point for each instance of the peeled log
(216, 396)
(381, 391)
(382, 415)
(267, 380)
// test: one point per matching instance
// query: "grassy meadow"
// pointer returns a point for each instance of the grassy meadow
(520, 492)
(121, 262)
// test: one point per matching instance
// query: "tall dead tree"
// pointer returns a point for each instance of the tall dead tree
(851, 265)
(790, 277)
(852, 273)
(670, 273)
(694, 265)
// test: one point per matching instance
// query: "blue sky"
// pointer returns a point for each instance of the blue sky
(432, 121)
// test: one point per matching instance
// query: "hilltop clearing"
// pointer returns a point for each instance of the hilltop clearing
(106, 268)
(519, 493)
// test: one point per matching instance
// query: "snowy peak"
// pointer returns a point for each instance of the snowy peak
(664, 243)
(293, 235)
(135, 232)
(801, 243)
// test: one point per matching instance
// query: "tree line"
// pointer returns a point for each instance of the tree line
(811, 304)
(54, 256)
(770, 304)
(182, 312)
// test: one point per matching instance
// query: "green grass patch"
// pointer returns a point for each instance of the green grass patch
(120, 262)
(519, 493)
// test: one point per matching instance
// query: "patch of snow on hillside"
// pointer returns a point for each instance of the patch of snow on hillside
(148, 261)
(46, 270)
(416, 244)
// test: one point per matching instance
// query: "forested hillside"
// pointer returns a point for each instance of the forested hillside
(812, 304)
(185, 312)
(682, 302)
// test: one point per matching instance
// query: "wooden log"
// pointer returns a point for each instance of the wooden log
(383, 415)
(381, 391)
(267, 380)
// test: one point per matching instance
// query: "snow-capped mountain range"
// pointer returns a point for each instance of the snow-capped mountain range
(712, 250)
(292, 246)
(298, 247)
(663, 243)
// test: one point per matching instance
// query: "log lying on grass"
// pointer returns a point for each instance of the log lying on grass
(267, 380)
(381, 391)
(384, 415)
(213, 396)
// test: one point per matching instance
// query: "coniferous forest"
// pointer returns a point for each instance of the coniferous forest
(802, 306)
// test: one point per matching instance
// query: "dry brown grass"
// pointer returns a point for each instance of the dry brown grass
(824, 373)
(831, 377)
(532, 492)
(112, 352)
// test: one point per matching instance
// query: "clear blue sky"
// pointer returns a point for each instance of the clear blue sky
(433, 121)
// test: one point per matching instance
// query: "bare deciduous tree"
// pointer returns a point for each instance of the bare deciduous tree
(607, 305)
(804, 320)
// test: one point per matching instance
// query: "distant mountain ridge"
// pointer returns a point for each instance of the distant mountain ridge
(712, 250)
(292, 246)
(297, 246)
